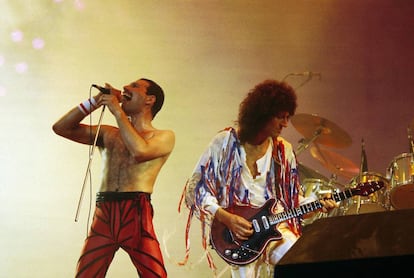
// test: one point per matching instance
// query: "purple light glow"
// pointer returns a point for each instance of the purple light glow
(38, 43)
(17, 36)
(21, 67)
(2, 91)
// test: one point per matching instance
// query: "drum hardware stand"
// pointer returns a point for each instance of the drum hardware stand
(363, 168)
(411, 147)
(358, 205)
(410, 140)
(333, 180)
(304, 143)
(88, 169)
(364, 162)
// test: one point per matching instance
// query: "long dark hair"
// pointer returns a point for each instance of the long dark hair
(265, 101)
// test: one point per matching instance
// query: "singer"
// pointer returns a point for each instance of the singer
(133, 153)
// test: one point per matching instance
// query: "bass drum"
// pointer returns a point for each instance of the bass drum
(375, 202)
(314, 189)
(401, 174)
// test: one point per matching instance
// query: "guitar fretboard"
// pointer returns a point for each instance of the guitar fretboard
(306, 208)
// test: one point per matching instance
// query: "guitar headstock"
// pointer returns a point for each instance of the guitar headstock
(366, 188)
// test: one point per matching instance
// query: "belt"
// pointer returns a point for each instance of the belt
(120, 196)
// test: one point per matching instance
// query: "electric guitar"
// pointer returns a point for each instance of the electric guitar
(264, 222)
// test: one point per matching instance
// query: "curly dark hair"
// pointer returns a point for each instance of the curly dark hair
(155, 90)
(265, 101)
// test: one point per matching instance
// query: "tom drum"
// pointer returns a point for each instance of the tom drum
(375, 202)
(401, 175)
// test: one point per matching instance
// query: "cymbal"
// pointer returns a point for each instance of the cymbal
(326, 132)
(308, 173)
(335, 163)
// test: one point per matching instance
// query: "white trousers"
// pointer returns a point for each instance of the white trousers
(264, 265)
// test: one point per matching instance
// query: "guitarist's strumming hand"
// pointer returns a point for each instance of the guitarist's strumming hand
(240, 227)
(328, 203)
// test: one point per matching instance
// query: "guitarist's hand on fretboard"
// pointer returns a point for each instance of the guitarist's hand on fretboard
(328, 203)
(239, 227)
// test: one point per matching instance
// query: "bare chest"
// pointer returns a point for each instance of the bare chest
(253, 155)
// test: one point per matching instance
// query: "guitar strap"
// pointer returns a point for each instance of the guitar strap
(277, 168)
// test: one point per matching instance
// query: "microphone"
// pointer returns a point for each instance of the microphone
(103, 90)
(309, 74)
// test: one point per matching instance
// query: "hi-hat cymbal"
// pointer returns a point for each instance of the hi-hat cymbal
(326, 132)
(335, 163)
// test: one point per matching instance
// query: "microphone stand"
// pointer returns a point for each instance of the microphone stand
(89, 163)
(304, 143)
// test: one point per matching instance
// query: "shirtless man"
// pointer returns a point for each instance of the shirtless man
(132, 154)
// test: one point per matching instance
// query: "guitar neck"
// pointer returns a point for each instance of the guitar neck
(309, 207)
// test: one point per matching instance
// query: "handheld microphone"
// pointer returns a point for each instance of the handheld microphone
(103, 90)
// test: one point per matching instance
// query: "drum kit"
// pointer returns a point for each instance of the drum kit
(397, 192)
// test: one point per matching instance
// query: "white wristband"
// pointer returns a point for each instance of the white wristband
(87, 106)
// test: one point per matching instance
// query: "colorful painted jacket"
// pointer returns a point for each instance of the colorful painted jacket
(217, 175)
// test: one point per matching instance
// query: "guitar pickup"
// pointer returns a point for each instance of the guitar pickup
(265, 222)
(256, 226)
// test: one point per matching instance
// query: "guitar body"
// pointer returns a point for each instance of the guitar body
(238, 252)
